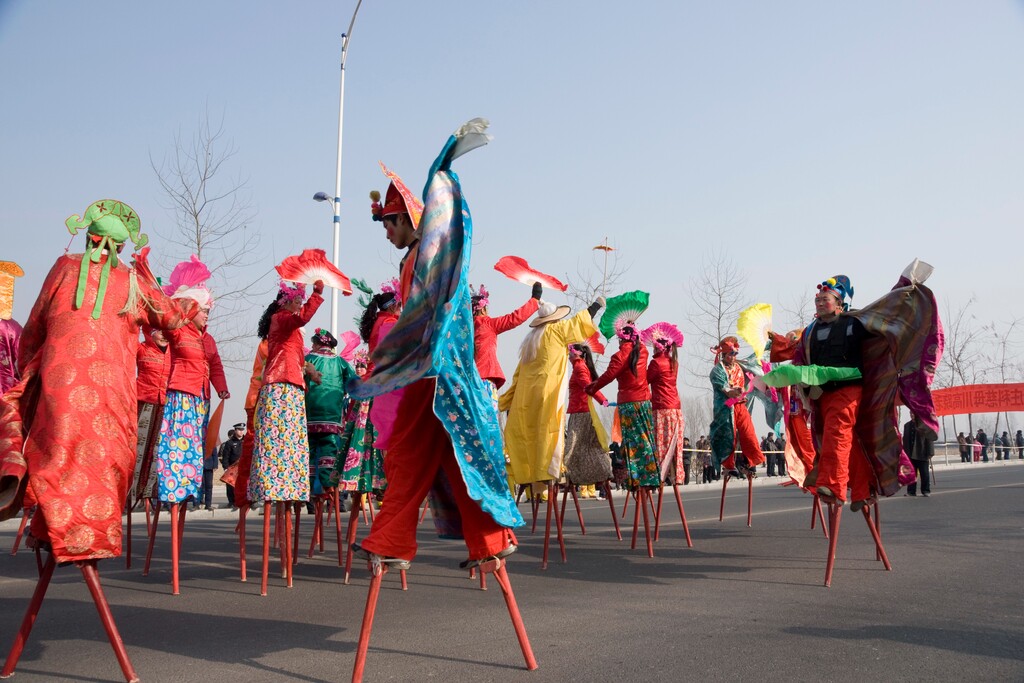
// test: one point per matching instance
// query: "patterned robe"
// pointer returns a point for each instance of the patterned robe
(76, 402)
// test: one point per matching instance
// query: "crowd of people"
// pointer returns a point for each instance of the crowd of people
(414, 414)
(975, 446)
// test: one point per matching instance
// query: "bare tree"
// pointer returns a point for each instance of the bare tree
(1002, 359)
(602, 276)
(213, 215)
(799, 313)
(961, 358)
(717, 294)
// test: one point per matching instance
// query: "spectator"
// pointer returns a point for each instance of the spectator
(1004, 446)
(920, 450)
(768, 446)
(230, 453)
(688, 459)
(982, 439)
(780, 446)
(210, 462)
(965, 453)
(1019, 441)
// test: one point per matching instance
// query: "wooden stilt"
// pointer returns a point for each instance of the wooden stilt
(547, 532)
(423, 514)
(293, 555)
(682, 516)
(835, 512)
(318, 517)
(350, 537)
(337, 525)
(242, 512)
(611, 504)
(266, 547)
(821, 516)
(876, 535)
(30, 617)
(128, 534)
(878, 528)
(535, 505)
(513, 610)
(370, 500)
(92, 579)
(579, 513)
(645, 499)
(152, 538)
(750, 499)
(288, 544)
(553, 492)
(657, 513)
(625, 503)
(25, 514)
(146, 504)
(367, 626)
(636, 517)
(721, 507)
(175, 541)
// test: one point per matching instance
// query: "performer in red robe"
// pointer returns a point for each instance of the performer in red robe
(69, 425)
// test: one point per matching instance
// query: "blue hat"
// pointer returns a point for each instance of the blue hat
(840, 286)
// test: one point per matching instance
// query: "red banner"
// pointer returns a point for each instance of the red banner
(979, 398)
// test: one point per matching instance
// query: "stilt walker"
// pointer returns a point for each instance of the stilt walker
(77, 385)
(429, 353)
(628, 367)
(851, 364)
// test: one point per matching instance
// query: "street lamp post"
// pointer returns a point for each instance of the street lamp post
(321, 196)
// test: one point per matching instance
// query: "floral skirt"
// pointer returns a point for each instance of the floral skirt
(638, 444)
(179, 453)
(668, 427)
(280, 459)
(586, 462)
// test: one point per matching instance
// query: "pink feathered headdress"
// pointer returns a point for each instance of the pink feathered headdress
(662, 336)
(480, 298)
(188, 281)
(289, 291)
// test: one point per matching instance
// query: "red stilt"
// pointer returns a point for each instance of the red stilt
(321, 518)
(370, 500)
(362, 500)
(636, 517)
(337, 525)
(288, 545)
(611, 504)
(293, 555)
(318, 518)
(25, 514)
(821, 516)
(682, 516)
(878, 528)
(146, 504)
(266, 547)
(405, 582)
(423, 514)
(553, 492)
(175, 540)
(128, 535)
(579, 513)
(835, 512)
(657, 513)
(547, 532)
(39, 561)
(721, 507)
(92, 579)
(367, 627)
(750, 498)
(879, 550)
(625, 503)
(483, 580)
(645, 499)
(350, 537)
(513, 610)
(152, 539)
(535, 505)
(242, 511)
(30, 617)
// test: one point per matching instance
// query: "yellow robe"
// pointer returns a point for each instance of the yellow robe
(536, 402)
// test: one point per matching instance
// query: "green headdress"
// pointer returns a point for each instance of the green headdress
(110, 223)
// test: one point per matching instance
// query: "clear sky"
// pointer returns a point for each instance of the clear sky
(806, 138)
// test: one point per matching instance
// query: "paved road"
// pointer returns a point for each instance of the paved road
(743, 603)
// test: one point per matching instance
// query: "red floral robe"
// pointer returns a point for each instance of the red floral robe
(77, 403)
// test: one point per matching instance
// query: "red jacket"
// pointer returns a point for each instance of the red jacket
(154, 366)
(194, 362)
(485, 339)
(632, 388)
(285, 355)
(577, 387)
(664, 393)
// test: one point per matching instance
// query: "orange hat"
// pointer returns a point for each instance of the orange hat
(398, 199)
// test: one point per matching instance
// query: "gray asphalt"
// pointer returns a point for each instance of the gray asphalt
(743, 603)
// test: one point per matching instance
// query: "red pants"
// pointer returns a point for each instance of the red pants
(842, 462)
(419, 446)
(745, 437)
